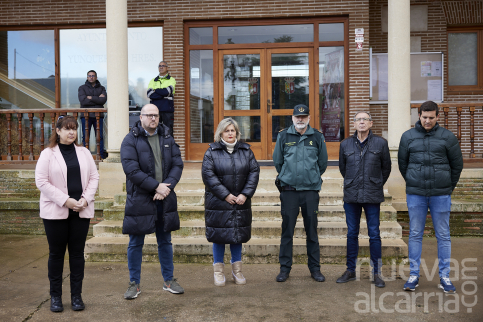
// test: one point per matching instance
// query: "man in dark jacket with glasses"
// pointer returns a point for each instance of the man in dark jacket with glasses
(152, 162)
(365, 164)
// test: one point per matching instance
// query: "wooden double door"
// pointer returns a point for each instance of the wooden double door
(259, 89)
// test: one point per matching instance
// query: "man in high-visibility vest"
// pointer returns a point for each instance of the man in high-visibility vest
(161, 94)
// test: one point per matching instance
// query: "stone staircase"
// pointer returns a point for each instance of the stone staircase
(191, 246)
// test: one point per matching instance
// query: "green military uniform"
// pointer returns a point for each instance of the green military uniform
(300, 161)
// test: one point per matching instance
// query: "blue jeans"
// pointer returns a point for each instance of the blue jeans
(93, 121)
(440, 208)
(219, 252)
(165, 251)
(353, 213)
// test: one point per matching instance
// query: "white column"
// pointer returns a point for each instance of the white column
(111, 174)
(399, 76)
(399, 88)
(117, 77)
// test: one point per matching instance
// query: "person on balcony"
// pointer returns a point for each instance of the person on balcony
(230, 173)
(152, 162)
(92, 95)
(430, 161)
(161, 93)
(67, 178)
(365, 165)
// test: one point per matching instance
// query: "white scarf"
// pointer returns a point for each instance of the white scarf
(229, 146)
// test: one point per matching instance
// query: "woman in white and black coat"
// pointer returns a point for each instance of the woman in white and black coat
(230, 173)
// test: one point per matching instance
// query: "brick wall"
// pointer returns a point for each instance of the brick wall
(19, 204)
(3, 49)
(465, 13)
(18, 184)
(174, 13)
(24, 221)
(460, 224)
(440, 15)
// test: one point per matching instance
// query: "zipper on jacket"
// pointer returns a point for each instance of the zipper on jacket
(235, 180)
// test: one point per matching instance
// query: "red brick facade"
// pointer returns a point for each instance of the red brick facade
(362, 14)
(441, 14)
(174, 13)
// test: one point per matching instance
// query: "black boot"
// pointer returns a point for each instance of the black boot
(282, 276)
(77, 303)
(377, 280)
(346, 277)
(318, 276)
(56, 304)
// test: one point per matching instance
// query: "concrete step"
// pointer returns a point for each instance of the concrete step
(326, 213)
(257, 250)
(462, 206)
(260, 229)
(329, 185)
(260, 198)
(193, 171)
(24, 203)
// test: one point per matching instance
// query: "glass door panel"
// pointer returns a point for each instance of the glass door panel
(242, 92)
(331, 93)
(279, 122)
(290, 80)
(241, 85)
(259, 89)
(289, 85)
(250, 128)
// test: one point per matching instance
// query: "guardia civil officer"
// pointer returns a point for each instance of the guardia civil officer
(300, 157)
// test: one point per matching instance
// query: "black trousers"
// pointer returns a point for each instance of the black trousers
(168, 120)
(70, 233)
(308, 202)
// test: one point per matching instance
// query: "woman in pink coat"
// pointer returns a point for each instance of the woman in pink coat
(67, 178)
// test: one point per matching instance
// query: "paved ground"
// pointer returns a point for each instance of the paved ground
(24, 292)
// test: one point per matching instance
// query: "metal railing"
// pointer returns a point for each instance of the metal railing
(460, 108)
(34, 143)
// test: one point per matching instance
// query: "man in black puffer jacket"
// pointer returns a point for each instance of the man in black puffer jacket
(92, 95)
(365, 164)
(152, 162)
(431, 162)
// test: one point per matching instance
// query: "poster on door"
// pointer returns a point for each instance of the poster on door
(289, 85)
(332, 95)
(253, 86)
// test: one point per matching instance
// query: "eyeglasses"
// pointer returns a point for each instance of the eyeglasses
(362, 119)
(163, 66)
(150, 116)
(91, 76)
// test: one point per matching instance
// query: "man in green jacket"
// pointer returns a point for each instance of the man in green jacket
(300, 157)
(431, 162)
